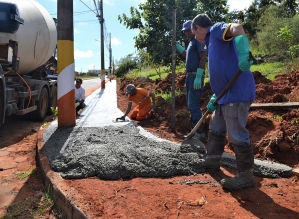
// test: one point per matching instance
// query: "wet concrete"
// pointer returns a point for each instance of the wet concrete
(116, 152)
(98, 147)
(261, 168)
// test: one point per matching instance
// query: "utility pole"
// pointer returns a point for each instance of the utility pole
(110, 55)
(173, 69)
(102, 45)
(66, 66)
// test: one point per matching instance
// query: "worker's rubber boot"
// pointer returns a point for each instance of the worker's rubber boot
(244, 161)
(215, 148)
(200, 132)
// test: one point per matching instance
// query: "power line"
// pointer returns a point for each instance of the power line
(76, 13)
(87, 6)
(96, 7)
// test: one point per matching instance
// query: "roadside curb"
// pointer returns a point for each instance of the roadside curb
(52, 182)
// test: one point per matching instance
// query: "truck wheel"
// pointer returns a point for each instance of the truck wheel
(52, 101)
(42, 106)
(2, 104)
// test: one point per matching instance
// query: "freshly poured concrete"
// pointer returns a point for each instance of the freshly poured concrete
(98, 147)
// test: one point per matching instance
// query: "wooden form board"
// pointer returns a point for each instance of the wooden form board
(275, 105)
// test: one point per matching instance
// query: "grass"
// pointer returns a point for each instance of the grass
(25, 174)
(276, 118)
(269, 70)
(39, 205)
(294, 122)
(167, 96)
(149, 73)
(55, 112)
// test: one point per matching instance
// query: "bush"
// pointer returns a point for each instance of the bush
(125, 66)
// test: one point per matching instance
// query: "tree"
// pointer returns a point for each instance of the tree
(217, 10)
(256, 10)
(291, 7)
(278, 33)
(125, 65)
(153, 19)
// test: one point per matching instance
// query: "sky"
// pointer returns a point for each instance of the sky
(87, 47)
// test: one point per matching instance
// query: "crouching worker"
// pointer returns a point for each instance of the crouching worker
(144, 100)
(79, 96)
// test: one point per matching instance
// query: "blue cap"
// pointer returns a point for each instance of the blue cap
(187, 25)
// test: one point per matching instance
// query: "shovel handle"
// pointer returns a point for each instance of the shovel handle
(227, 87)
(190, 135)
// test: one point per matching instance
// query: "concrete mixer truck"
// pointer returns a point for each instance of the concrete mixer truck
(28, 39)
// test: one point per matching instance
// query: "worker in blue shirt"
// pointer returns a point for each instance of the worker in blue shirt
(195, 64)
(228, 51)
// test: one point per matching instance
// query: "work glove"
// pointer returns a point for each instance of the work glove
(180, 48)
(243, 49)
(197, 81)
(210, 106)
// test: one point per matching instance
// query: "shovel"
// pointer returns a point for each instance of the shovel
(196, 142)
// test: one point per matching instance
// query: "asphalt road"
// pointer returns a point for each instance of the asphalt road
(91, 83)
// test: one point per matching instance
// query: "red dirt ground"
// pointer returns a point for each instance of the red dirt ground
(274, 134)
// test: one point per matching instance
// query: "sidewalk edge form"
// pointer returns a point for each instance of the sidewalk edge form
(51, 183)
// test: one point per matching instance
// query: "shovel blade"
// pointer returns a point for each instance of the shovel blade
(194, 143)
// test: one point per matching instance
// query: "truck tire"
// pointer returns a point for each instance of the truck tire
(52, 101)
(2, 104)
(42, 106)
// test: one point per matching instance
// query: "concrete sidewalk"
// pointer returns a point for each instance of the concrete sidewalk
(101, 108)
(97, 147)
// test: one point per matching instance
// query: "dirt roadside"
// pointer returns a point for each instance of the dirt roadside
(177, 197)
(22, 190)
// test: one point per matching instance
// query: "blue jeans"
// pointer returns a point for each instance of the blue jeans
(81, 105)
(231, 119)
(193, 98)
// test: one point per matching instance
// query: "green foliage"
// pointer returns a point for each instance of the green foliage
(294, 122)
(275, 22)
(269, 70)
(261, 21)
(167, 96)
(125, 65)
(54, 111)
(25, 174)
(276, 118)
(85, 76)
(216, 10)
(286, 35)
(153, 18)
(293, 51)
(150, 73)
